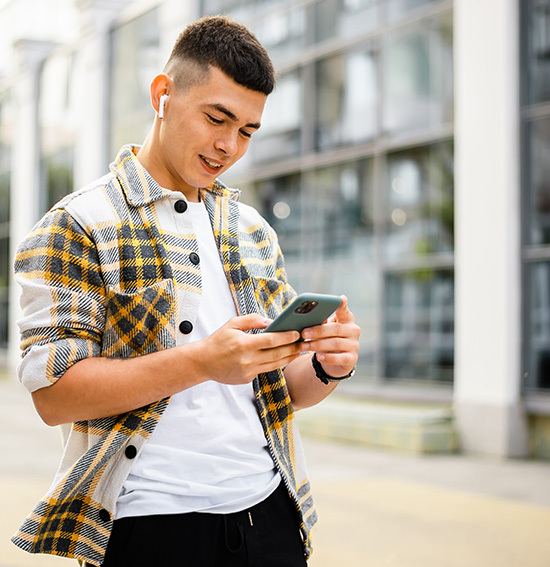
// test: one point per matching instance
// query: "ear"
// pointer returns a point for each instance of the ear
(161, 85)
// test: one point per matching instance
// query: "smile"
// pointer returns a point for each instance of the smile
(211, 164)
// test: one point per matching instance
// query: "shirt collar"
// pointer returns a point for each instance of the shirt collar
(141, 189)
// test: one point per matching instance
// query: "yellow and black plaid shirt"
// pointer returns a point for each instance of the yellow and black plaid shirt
(100, 278)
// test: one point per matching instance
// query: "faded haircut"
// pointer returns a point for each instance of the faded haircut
(220, 42)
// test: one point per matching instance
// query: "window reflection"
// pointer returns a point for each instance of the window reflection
(539, 182)
(280, 134)
(279, 201)
(345, 18)
(397, 8)
(536, 166)
(135, 62)
(282, 34)
(419, 203)
(346, 99)
(340, 227)
(538, 50)
(419, 325)
(418, 73)
(538, 329)
(342, 211)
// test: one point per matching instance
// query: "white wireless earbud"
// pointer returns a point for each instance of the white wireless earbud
(161, 105)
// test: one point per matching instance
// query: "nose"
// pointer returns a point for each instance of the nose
(228, 143)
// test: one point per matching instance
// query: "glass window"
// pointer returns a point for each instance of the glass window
(345, 18)
(341, 211)
(418, 77)
(340, 230)
(419, 325)
(346, 99)
(278, 199)
(283, 33)
(135, 62)
(398, 8)
(57, 128)
(538, 174)
(538, 327)
(280, 134)
(324, 219)
(537, 49)
(419, 203)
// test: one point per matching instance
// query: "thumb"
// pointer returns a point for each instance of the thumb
(343, 314)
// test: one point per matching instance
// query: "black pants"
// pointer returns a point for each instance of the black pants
(266, 535)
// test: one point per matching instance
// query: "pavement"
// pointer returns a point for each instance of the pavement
(376, 508)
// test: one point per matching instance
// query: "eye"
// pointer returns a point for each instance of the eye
(214, 120)
(246, 134)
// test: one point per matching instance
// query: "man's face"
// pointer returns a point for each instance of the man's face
(205, 130)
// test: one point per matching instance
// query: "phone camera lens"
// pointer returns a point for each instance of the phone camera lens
(305, 307)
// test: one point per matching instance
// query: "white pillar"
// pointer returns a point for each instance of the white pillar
(25, 165)
(490, 414)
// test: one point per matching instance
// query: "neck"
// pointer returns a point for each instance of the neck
(151, 160)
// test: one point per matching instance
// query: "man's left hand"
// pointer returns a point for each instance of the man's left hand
(336, 342)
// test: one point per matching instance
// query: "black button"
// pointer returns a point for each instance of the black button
(180, 206)
(130, 452)
(186, 327)
(194, 258)
(104, 515)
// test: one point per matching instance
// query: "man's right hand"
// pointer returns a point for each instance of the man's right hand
(234, 356)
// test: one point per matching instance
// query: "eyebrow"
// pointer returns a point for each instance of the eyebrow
(232, 117)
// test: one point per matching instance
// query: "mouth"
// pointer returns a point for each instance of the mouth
(212, 164)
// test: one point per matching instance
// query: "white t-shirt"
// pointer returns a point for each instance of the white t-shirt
(208, 452)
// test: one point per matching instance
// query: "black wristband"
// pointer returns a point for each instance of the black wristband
(323, 376)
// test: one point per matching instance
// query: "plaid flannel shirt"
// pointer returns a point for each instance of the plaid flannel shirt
(97, 281)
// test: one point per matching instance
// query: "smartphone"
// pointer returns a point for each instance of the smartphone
(307, 310)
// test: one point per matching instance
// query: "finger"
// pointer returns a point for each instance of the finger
(279, 363)
(334, 360)
(281, 351)
(248, 322)
(347, 330)
(331, 344)
(276, 339)
(343, 314)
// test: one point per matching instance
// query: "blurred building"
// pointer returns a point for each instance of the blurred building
(404, 160)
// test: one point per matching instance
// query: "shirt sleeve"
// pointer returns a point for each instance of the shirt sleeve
(62, 298)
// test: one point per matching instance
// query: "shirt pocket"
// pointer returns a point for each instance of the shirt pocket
(140, 322)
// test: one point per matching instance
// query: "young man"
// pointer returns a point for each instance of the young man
(142, 297)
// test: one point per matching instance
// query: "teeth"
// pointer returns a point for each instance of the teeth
(214, 165)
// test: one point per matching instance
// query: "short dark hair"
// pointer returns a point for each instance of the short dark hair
(226, 44)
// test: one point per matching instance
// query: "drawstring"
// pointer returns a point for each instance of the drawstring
(234, 533)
